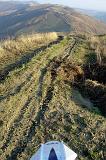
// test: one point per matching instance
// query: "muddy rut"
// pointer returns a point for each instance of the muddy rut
(51, 67)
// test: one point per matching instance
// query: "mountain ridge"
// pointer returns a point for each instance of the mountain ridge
(41, 18)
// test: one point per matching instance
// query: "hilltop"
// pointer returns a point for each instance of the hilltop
(53, 88)
(34, 17)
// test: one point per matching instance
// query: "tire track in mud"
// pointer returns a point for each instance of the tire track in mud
(40, 116)
(44, 70)
(20, 117)
(41, 79)
(16, 123)
(26, 58)
(54, 65)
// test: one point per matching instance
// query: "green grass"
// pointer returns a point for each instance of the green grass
(57, 113)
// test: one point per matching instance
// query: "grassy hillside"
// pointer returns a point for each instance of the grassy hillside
(42, 100)
(47, 18)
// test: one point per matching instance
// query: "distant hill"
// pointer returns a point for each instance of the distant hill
(32, 17)
(101, 16)
(97, 14)
(7, 7)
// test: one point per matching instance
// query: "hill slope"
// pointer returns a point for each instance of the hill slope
(48, 18)
(97, 14)
(41, 99)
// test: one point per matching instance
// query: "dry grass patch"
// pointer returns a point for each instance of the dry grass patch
(12, 49)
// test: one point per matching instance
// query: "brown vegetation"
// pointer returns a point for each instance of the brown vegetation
(71, 72)
(15, 47)
(11, 50)
(99, 46)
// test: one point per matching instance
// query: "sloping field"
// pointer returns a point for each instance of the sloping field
(40, 101)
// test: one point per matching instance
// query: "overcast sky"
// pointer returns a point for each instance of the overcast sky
(85, 4)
